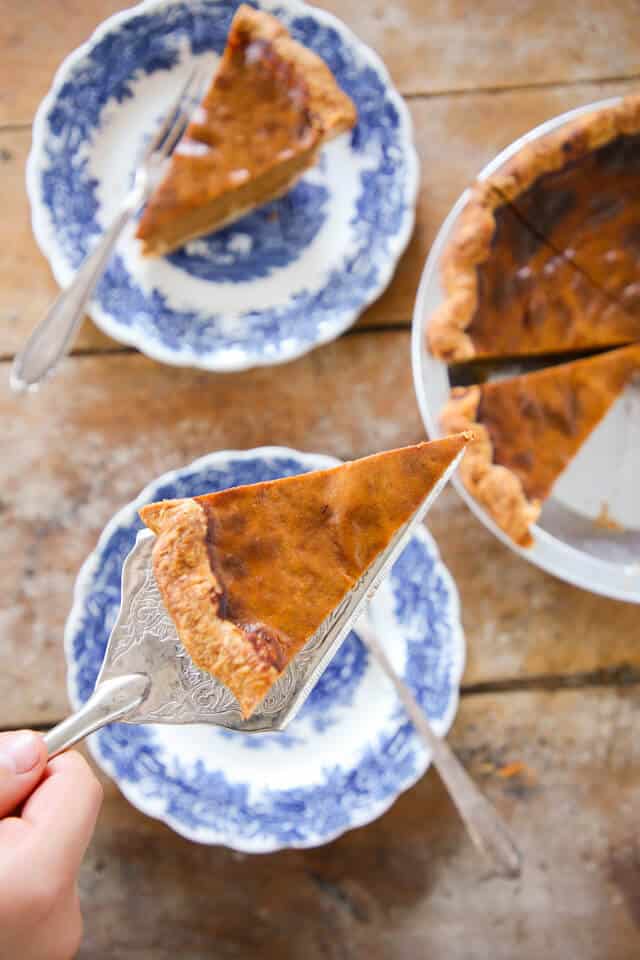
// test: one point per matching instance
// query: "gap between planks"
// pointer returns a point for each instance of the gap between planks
(623, 675)
(83, 352)
(414, 95)
(401, 327)
(455, 92)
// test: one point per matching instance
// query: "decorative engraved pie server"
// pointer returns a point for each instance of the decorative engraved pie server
(148, 677)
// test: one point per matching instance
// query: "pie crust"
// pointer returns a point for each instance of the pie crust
(271, 105)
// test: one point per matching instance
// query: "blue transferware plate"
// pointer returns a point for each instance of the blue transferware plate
(285, 278)
(349, 752)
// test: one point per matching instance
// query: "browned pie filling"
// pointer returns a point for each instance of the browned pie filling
(590, 209)
(528, 428)
(323, 530)
(269, 108)
(265, 641)
(533, 300)
(538, 421)
(251, 573)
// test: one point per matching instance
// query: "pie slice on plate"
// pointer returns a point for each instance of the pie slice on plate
(249, 574)
(271, 105)
(509, 293)
(579, 188)
(528, 428)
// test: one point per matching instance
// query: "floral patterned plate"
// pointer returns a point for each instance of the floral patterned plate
(348, 753)
(285, 278)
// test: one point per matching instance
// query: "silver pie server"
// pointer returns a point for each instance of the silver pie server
(148, 677)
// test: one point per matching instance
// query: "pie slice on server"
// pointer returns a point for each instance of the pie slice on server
(528, 428)
(249, 574)
(271, 105)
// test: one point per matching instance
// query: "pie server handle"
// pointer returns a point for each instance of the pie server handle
(113, 699)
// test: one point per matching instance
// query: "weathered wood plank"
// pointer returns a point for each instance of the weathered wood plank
(520, 621)
(429, 46)
(455, 137)
(409, 885)
(83, 447)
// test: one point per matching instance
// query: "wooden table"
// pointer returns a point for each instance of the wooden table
(553, 673)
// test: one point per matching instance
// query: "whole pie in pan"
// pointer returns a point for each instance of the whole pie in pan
(272, 103)
(249, 574)
(528, 428)
(546, 253)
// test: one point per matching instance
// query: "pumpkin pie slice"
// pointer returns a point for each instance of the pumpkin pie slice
(510, 293)
(528, 428)
(579, 188)
(272, 103)
(249, 574)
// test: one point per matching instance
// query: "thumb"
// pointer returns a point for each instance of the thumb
(23, 758)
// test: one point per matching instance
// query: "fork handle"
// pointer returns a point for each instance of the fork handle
(53, 337)
(488, 831)
(113, 699)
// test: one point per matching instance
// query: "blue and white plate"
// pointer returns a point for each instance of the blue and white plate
(348, 753)
(284, 279)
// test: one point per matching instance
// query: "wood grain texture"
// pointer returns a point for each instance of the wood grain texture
(33, 42)
(429, 46)
(435, 46)
(409, 885)
(455, 137)
(521, 622)
(108, 425)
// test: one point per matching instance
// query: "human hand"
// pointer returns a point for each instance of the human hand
(42, 844)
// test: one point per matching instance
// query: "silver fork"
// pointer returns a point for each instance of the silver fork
(489, 833)
(148, 677)
(53, 337)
